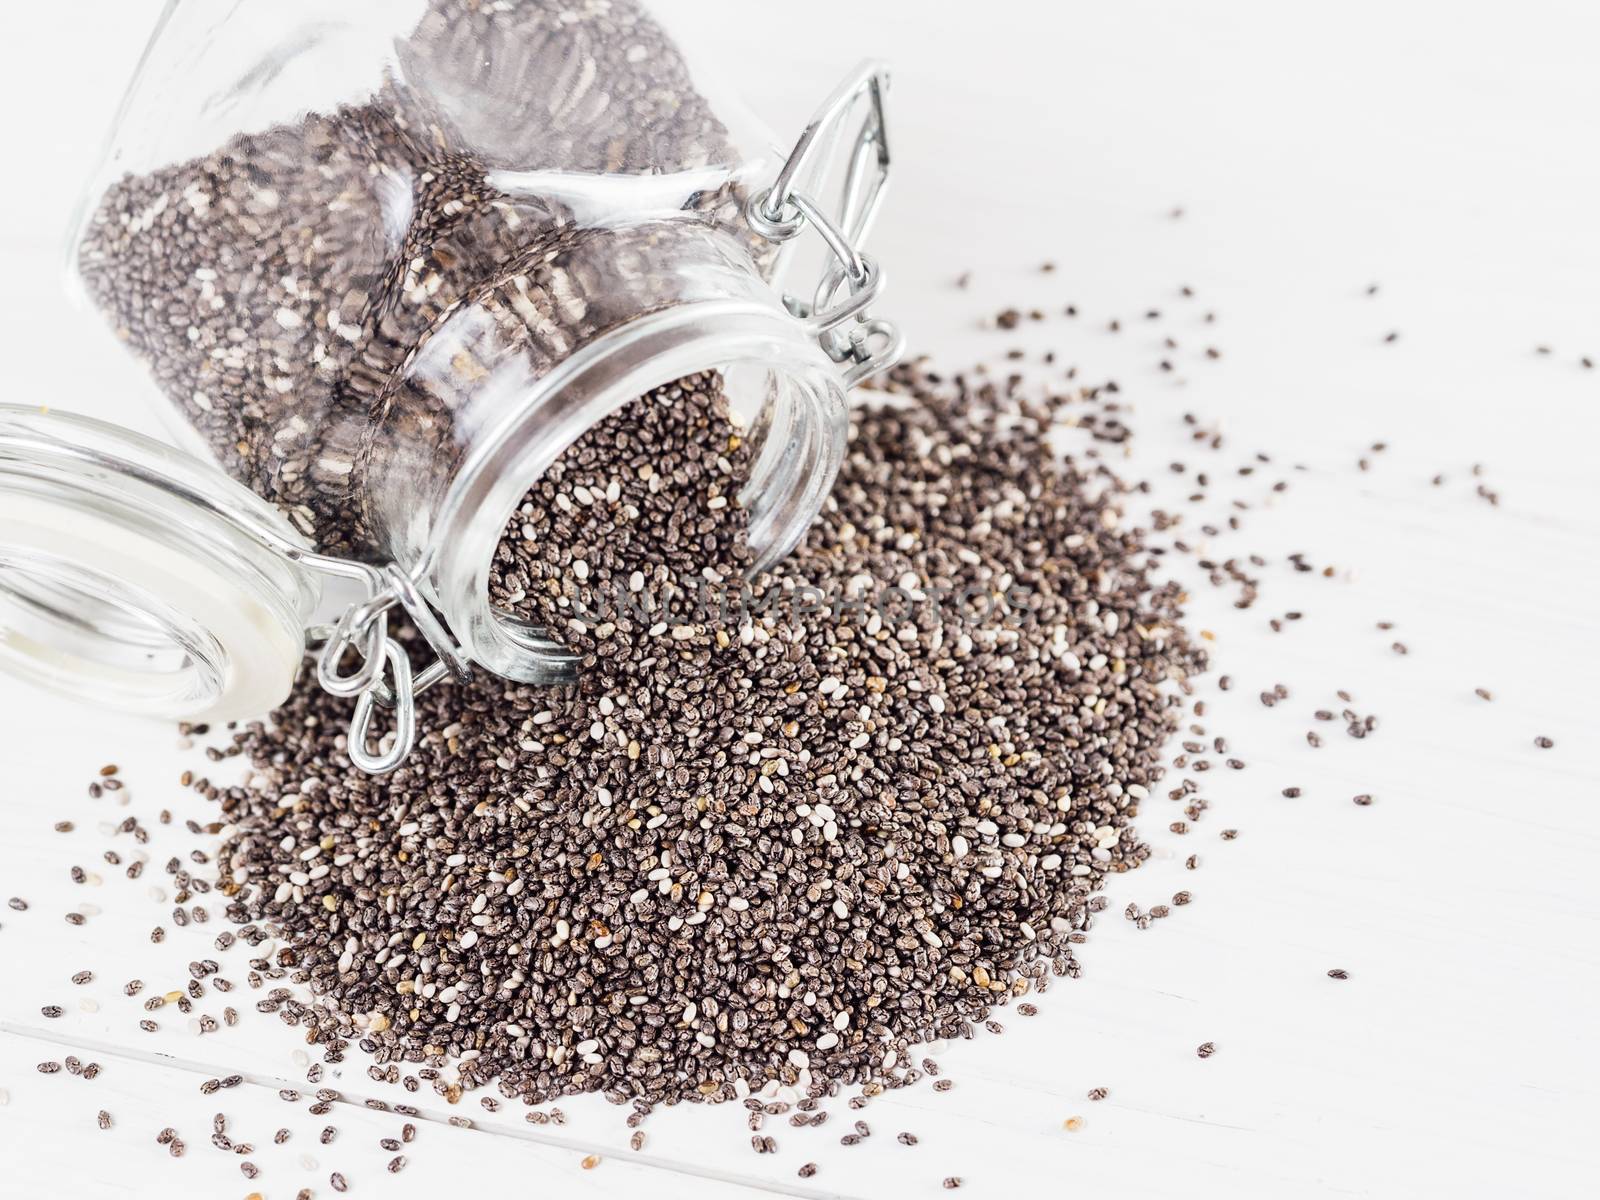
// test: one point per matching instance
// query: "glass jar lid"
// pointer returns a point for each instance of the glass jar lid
(139, 578)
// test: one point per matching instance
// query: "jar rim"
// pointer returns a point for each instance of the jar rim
(135, 576)
(789, 482)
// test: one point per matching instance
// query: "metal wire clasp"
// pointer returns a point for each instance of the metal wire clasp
(779, 213)
(383, 676)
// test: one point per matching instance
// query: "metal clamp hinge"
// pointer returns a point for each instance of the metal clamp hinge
(842, 326)
(384, 676)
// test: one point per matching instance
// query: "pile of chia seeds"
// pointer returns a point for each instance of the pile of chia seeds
(776, 852)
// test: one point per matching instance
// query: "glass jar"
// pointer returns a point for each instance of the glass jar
(385, 261)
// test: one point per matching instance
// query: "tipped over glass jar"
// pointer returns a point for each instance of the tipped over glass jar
(385, 261)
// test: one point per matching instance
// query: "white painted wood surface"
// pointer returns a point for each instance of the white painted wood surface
(1445, 152)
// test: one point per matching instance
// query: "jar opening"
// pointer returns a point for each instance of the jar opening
(781, 385)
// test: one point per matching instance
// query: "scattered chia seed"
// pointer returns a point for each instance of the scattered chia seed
(776, 780)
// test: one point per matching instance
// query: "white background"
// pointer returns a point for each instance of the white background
(1446, 152)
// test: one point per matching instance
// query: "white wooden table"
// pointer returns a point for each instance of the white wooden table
(1443, 153)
